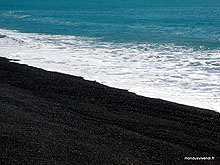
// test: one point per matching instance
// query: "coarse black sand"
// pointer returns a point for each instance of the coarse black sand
(52, 118)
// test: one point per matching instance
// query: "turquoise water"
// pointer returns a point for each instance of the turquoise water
(181, 22)
(168, 49)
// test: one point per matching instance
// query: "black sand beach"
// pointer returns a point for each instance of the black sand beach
(53, 118)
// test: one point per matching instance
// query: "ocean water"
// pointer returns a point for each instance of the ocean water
(167, 49)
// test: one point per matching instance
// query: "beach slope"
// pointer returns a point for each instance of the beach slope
(53, 118)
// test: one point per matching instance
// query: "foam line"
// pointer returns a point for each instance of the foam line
(169, 72)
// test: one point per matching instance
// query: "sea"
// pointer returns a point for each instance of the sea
(166, 49)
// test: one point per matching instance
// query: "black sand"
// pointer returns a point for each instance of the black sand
(52, 118)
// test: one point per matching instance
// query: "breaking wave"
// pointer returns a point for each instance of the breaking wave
(165, 71)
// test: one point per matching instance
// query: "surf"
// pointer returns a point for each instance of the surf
(165, 71)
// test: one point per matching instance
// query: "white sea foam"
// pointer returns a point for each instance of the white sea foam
(168, 72)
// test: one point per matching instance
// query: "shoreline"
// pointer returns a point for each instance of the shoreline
(192, 81)
(54, 118)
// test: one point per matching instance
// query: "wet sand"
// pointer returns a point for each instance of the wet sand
(53, 118)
